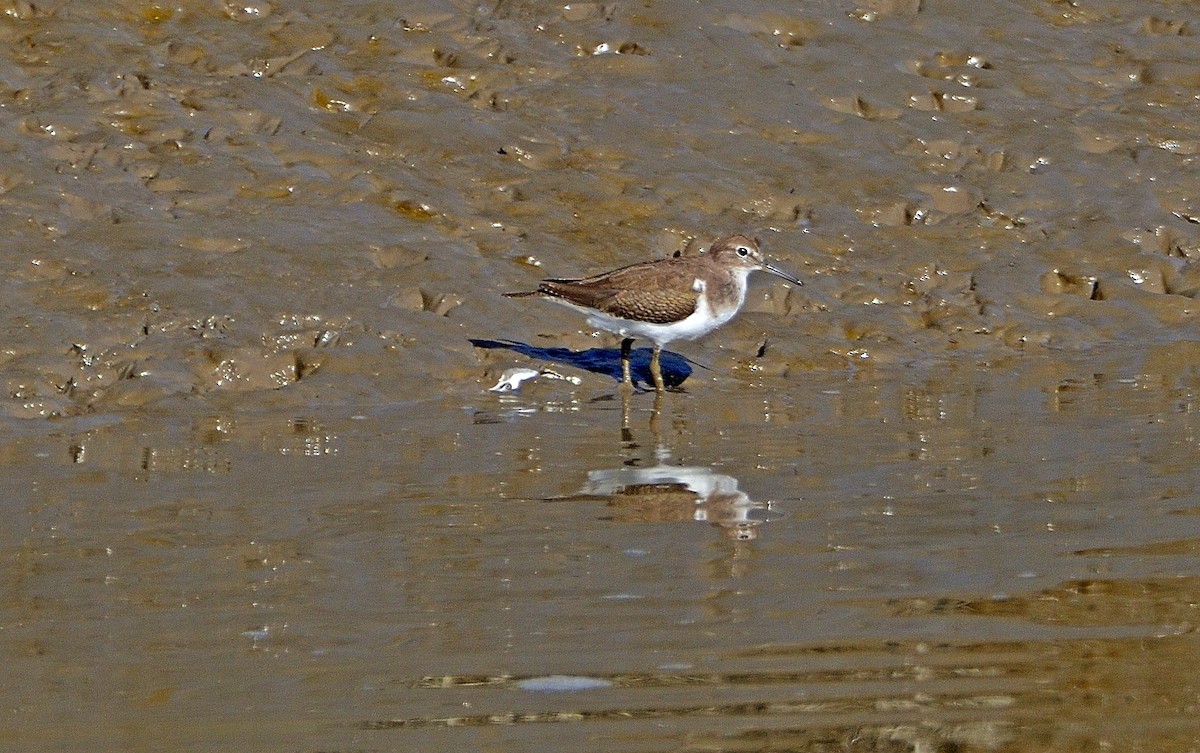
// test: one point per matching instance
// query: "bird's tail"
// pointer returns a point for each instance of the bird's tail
(523, 294)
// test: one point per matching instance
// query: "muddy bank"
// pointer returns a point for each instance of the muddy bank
(200, 197)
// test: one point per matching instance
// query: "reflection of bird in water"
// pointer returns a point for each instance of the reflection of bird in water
(668, 493)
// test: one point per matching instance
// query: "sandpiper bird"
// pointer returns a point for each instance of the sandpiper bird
(680, 298)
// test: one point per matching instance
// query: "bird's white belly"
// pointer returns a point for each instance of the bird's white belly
(700, 322)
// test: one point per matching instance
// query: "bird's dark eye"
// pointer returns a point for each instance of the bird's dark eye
(743, 251)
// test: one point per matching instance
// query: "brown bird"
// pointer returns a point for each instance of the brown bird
(680, 298)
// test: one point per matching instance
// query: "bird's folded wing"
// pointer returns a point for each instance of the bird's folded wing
(657, 306)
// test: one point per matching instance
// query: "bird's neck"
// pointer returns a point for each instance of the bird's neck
(730, 292)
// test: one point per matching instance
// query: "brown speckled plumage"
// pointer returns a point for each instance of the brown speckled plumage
(659, 292)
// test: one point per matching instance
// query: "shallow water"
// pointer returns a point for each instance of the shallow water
(259, 496)
(903, 572)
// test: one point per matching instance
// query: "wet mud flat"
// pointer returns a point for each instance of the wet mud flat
(258, 493)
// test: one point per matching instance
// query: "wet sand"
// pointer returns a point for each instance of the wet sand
(943, 497)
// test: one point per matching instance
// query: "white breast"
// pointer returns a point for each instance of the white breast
(699, 323)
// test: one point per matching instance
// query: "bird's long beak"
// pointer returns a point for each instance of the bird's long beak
(780, 273)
